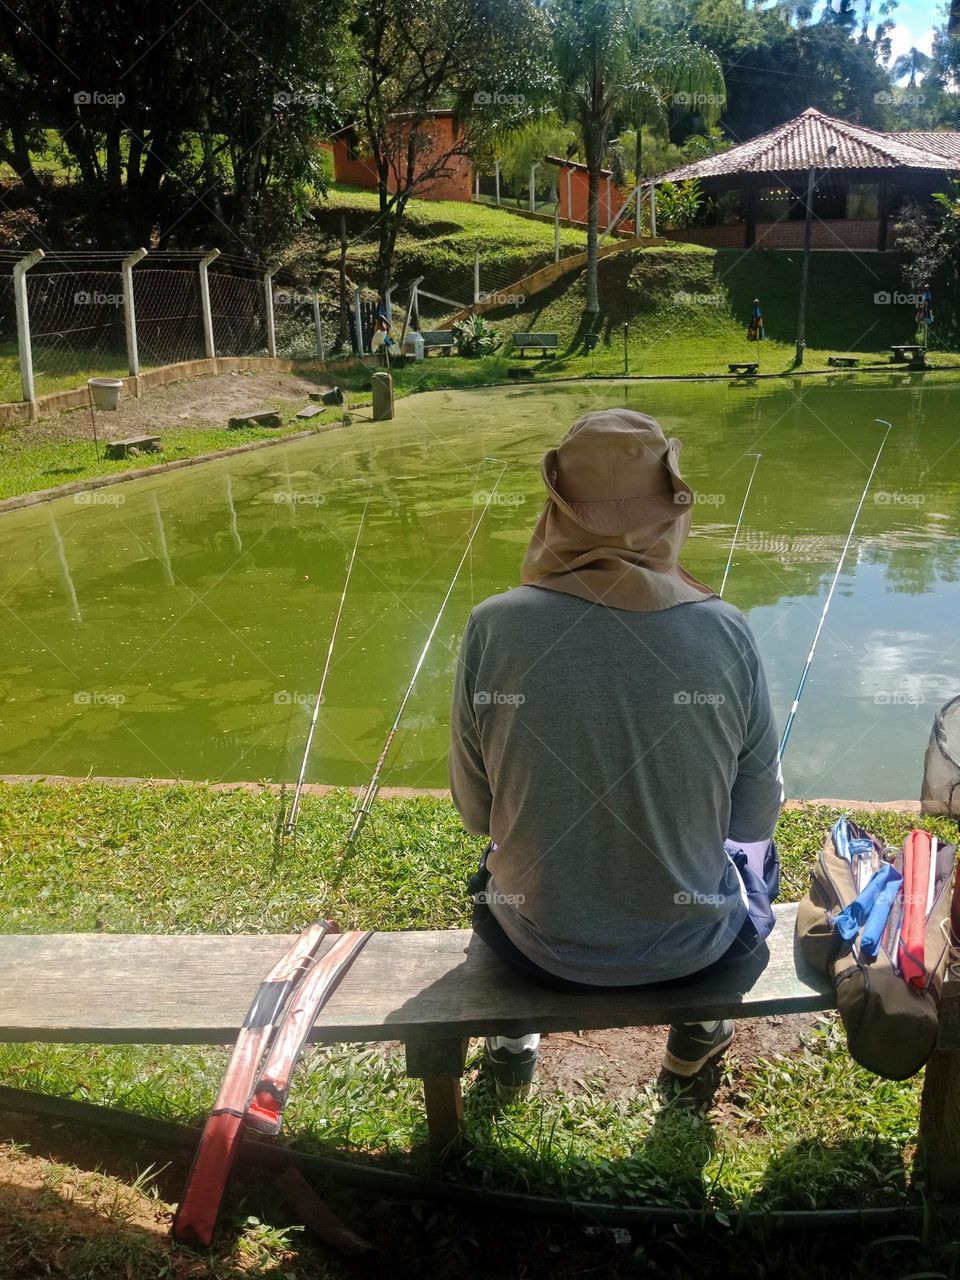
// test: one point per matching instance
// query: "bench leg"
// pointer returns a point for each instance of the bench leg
(444, 1103)
(439, 1064)
(939, 1146)
(938, 1151)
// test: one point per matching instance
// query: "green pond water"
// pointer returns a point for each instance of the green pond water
(177, 626)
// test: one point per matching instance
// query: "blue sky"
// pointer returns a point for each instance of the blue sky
(915, 21)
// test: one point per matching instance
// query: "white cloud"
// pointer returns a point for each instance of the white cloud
(903, 39)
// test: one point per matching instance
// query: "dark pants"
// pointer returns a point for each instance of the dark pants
(754, 930)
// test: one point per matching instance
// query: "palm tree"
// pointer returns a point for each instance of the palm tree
(604, 72)
(912, 63)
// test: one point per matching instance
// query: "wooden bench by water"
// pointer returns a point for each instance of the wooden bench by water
(430, 990)
(523, 342)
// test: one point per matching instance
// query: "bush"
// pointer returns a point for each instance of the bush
(474, 337)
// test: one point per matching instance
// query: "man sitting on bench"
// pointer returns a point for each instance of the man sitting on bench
(612, 735)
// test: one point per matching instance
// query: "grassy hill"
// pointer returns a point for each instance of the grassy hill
(686, 307)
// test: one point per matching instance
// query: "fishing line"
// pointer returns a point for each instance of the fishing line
(291, 823)
(736, 532)
(826, 605)
(473, 511)
(369, 793)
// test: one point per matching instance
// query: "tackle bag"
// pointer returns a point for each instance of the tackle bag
(877, 921)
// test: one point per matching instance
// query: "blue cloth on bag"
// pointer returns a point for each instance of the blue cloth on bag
(859, 846)
(877, 918)
(849, 921)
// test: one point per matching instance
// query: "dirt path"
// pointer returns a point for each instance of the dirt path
(200, 403)
(630, 1058)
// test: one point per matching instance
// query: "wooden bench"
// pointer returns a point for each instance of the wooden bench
(523, 342)
(748, 369)
(844, 362)
(441, 340)
(133, 446)
(265, 418)
(430, 990)
(906, 351)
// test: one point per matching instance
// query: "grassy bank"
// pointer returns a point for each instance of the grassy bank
(803, 1129)
(674, 310)
(29, 464)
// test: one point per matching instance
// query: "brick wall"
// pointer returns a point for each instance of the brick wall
(833, 234)
(455, 183)
(727, 237)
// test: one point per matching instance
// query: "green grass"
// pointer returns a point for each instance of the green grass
(807, 1130)
(28, 467)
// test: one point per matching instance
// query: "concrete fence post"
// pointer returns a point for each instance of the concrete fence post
(533, 187)
(129, 311)
(653, 208)
(23, 321)
(609, 207)
(639, 209)
(209, 344)
(556, 233)
(268, 310)
(358, 324)
(569, 194)
(496, 178)
(476, 275)
(317, 327)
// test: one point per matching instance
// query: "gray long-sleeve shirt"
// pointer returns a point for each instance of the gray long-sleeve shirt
(608, 754)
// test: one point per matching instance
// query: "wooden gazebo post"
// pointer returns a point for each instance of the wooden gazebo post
(805, 272)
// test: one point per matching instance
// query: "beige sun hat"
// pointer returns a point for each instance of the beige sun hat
(617, 514)
(616, 471)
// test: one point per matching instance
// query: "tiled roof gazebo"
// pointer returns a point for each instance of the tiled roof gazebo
(861, 178)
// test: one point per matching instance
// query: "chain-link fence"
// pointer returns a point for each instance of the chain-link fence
(9, 362)
(238, 307)
(168, 312)
(82, 323)
(76, 322)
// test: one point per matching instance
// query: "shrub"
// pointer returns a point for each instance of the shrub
(474, 337)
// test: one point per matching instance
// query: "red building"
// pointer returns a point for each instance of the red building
(438, 141)
(572, 188)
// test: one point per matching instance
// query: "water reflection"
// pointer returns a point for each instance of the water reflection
(162, 540)
(210, 656)
(65, 570)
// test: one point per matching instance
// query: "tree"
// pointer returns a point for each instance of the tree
(521, 148)
(605, 72)
(912, 63)
(183, 125)
(471, 56)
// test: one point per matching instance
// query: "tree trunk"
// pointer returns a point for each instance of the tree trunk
(593, 219)
(342, 331)
(387, 236)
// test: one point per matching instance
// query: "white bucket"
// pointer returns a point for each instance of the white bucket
(413, 345)
(105, 392)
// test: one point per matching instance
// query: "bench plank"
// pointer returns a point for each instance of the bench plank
(423, 985)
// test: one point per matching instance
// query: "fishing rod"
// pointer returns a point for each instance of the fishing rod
(736, 532)
(826, 605)
(291, 822)
(368, 795)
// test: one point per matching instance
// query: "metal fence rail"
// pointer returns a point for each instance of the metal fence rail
(69, 316)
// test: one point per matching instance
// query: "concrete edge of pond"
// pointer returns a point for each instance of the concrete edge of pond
(19, 501)
(389, 793)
